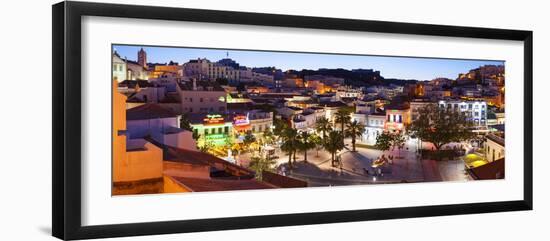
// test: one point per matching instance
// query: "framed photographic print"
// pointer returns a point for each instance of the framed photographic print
(169, 120)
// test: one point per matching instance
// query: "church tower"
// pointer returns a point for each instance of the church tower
(142, 58)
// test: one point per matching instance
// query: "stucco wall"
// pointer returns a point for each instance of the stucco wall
(139, 165)
(183, 140)
(177, 169)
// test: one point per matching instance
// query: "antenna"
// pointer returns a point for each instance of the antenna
(227, 54)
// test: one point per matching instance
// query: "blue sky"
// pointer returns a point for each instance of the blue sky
(389, 67)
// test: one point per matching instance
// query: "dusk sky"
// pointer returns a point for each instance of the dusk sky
(389, 67)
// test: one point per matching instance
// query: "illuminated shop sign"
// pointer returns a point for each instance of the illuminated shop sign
(214, 120)
(241, 120)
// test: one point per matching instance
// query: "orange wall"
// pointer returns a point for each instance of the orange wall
(119, 124)
(140, 165)
(171, 186)
(177, 169)
(133, 165)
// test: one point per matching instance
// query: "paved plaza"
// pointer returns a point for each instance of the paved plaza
(357, 167)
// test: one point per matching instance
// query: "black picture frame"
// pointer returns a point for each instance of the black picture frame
(66, 169)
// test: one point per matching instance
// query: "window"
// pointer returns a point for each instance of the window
(205, 131)
(190, 99)
(226, 129)
(200, 100)
(220, 130)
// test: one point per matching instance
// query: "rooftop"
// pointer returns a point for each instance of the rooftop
(489, 171)
(206, 185)
(148, 111)
(201, 84)
(133, 83)
(282, 181)
(497, 139)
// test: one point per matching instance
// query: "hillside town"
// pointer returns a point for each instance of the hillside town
(217, 125)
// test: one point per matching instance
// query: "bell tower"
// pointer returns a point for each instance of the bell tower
(142, 58)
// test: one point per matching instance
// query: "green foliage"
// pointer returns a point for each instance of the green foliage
(387, 140)
(343, 117)
(268, 136)
(441, 126)
(185, 124)
(354, 130)
(196, 136)
(249, 138)
(290, 143)
(323, 126)
(280, 126)
(205, 147)
(384, 141)
(260, 164)
(306, 141)
(334, 143)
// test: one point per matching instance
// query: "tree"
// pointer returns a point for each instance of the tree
(318, 141)
(249, 138)
(205, 147)
(441, 126)
(306, 142)
(384, 141)
(280, 127)
(388, 140)
(354, 130)
(290, 144)
(260, 164)
(185, 124)
(334, 144)
(323, 126)
(343, 117)
(268, 136)
(398, 141)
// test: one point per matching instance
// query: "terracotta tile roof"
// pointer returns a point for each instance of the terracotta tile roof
(200, 158)
(207, 185)
(489, 171)
(282, 181)
(148, 111)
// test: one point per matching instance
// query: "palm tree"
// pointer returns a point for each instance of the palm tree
(334, 144)
(318, 143)
(249, 138)
(343, 117)
(323, 125)
(290, 143)
(354, 130)
(185, 123)
(260, 164)
(306, 142)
